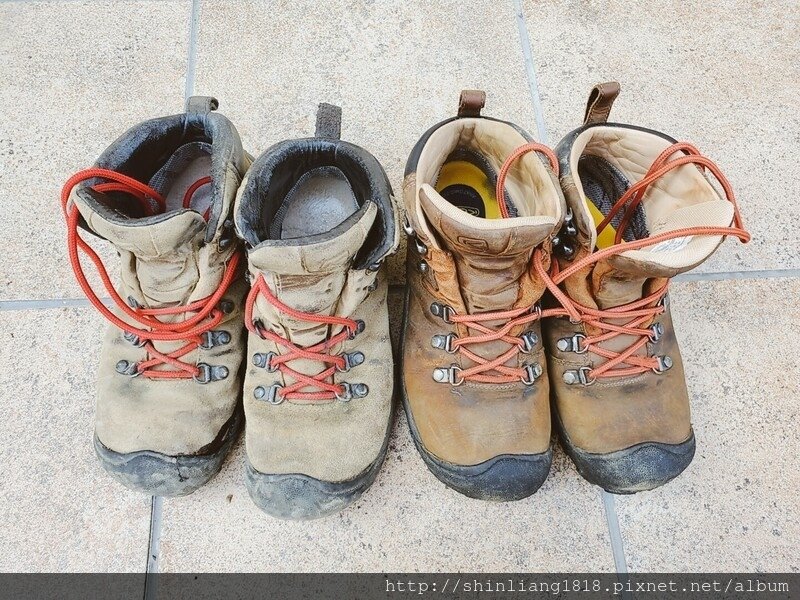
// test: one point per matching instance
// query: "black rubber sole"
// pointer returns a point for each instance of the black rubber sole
(159, 474)
(504, 478)
(298, 497)
(639, 468)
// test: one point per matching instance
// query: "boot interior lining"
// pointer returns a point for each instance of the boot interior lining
(190, 163)
(630, 152)
(604, 185)
(320, 200)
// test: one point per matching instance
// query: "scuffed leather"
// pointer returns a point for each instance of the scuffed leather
(620, 412)
(169, 259)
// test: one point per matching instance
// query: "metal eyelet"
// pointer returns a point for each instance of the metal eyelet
(269, 394)
(375, 266)
(532, 373)
(448, 375)
(408, 228)
(210, 373)
(264, 361)
(444, 342)
(442, 311)
(214, 338)
(134, 339)
(133, 303)
(350, 391)
(658, 331)
(421, 248)
(226, 306)
(124, 367)
(664, 301)
(572, 344)
(351, 359)
(360, 326)
(423, 267)
(582, 376)
(529, 340)
(664, 364)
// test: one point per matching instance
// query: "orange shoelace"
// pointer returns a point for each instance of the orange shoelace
(636, 316)
(317, 352)
(191, 330)
(495, 370)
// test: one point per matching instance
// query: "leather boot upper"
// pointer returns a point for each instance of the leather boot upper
(174, 258)
(317, 264)
(628, 404)
(461, 264)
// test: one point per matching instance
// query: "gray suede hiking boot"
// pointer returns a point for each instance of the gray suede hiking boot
(169, 383)
(318, 219)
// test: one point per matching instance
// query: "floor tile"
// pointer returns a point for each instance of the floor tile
(407, 521)
(735, 508)
(719, 74)
(395, 67)
(61, 512)
(74, 76)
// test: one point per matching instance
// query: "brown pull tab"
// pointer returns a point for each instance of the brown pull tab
(471, 102)
(329, 121)
(601, 99)
(201, 104)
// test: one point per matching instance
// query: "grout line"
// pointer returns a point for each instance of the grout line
(530, 70)
(191, 62)
(47, 303)
(614, 533)
(153, 548)
(732, 275)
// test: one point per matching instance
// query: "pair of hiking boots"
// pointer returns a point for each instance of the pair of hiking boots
(291, 337)
(537, 292)
(530, 275)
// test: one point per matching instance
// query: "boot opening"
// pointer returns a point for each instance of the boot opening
(183, 157)
(606, 160)
(462, 159)
(302, 191)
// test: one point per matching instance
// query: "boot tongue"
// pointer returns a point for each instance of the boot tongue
(310, 274)
(622, 279)
(160, 264)
(491, 255)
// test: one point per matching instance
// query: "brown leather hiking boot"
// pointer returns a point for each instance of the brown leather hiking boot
(642, 209)
(169, 380)
(318, 219)
(474, 373)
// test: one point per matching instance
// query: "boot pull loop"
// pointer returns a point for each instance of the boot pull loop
(329, 121)
(601, 99)
(201, 104)
(470, 103)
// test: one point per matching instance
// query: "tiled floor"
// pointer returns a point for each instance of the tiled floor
(75, 73)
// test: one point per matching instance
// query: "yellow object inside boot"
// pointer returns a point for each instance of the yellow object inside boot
(467, 187)
(606, 237)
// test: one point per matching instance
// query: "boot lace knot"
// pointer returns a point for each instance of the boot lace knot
(322, 386)
(148, 328)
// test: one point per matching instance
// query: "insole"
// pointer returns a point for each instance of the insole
(467, 186)
(188, 164)
(320, 200)
(604, 185)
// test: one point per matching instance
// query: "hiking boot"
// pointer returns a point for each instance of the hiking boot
(318, 220)
(475, 384)
(642, 208)
(169, 379)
